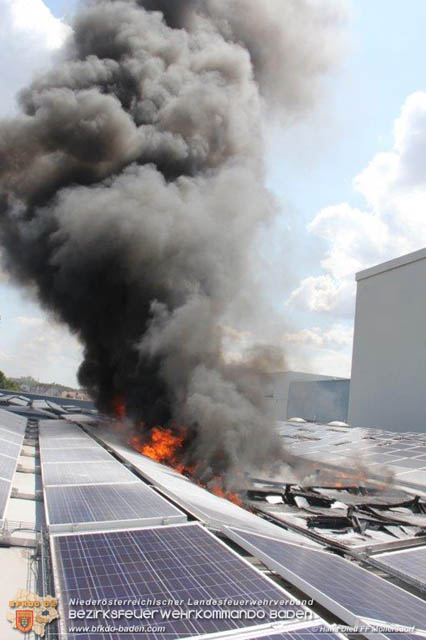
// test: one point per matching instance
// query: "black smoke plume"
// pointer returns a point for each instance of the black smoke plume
(132, 192)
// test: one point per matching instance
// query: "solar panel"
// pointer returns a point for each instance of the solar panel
(5, 487)
(209, 508)
(9, 419)
(180, 563)
(61, 428)
(67, 443)
(407, 563)
(10, 436)
(89, 454)
(85, 473)
(134, 504)
(347, 590)
(7, 467)
(9, 448)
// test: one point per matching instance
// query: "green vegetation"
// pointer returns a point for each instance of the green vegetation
(7, 383)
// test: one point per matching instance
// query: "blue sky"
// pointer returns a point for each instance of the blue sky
(311, 169)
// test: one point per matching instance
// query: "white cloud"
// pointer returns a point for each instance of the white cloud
(393, 186)
(29, 36)
(319, 350)
(42, 349)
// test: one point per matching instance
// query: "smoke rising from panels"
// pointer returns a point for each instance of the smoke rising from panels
(209, 508)
(350, 592)
(177, 562)
(107, 506)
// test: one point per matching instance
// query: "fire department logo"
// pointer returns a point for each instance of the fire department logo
(30, 612)
(24, 620)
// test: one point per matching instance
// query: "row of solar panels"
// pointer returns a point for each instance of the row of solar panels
(178, 563)
(404, 455)
(352, 593)
(87, 488)
(12, 432)
(207, 507)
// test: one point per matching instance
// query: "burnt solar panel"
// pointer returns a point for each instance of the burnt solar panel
(347, 590)
(180, 563)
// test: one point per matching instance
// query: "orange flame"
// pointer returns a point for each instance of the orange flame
(119, 407)
(167, 447)
(163, 446)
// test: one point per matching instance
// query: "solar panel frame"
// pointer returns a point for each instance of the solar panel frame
(111, 506)
(306, 583)
(166, 577)
(79, 473)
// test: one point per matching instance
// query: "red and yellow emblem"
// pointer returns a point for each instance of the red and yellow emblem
(24, 620)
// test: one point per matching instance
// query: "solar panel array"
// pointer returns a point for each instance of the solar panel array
(181, 563)
(209, 508)
(12, 431)
(404, 454)
(86, 488)
(350, 592)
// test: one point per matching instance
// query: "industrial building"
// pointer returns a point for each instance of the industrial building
(86, 518)
(291, 393)
(389, 351)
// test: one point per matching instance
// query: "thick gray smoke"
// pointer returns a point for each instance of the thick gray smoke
(132, 191)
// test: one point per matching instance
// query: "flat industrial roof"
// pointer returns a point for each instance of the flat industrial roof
(402, 261)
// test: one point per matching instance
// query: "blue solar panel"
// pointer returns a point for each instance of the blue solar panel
(85, 473)
(409, 563)
(74, 455)
(181, 563)
(7, 467)
(341, 586)
(106, 503)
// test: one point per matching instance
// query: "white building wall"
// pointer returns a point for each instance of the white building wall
(388, 383)
(277, 390)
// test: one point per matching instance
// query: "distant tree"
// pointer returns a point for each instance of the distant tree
(6, 383)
